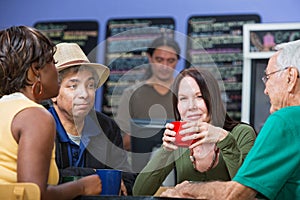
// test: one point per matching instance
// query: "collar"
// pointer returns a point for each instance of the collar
(62, 134)
(90, 129)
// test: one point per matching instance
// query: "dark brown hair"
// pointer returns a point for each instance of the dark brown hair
(20, 48)
(164, 41)
(211, 94)
(159, 42)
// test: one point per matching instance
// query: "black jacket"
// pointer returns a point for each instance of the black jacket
(102, 151)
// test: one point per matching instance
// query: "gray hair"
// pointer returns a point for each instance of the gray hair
(289, 54)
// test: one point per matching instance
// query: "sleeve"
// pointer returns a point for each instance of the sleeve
(75, 171)
(235, 147)
(154, 173)
(273, 158)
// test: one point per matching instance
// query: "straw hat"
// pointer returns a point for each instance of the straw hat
(70, 55)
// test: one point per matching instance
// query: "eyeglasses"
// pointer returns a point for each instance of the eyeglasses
(266, 77)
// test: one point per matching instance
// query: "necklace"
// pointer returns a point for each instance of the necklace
(213, 162)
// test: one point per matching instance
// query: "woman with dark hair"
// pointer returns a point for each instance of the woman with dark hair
(28, 76)
(218, 143)
(211, 95)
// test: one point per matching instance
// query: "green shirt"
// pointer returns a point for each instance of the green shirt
(272, 167)
(233, 148)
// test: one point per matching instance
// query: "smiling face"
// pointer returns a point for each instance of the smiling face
(191, 105)
(77, 94)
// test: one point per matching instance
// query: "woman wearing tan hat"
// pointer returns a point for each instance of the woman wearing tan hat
(86, 139)
(28, 76)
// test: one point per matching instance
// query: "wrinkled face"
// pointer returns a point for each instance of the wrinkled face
(191, 105)
(276, 85)
(49, 80)
(163, 62)
(77, 93)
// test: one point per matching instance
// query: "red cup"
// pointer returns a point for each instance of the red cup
(178, 137)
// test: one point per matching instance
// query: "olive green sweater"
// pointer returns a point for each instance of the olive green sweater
(233, 150)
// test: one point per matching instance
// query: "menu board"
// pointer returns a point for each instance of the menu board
(84, 33)
(126, 43)
(216, 42)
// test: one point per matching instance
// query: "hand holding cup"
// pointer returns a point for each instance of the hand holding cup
(178, 137)
(173, 138)
(91, 184)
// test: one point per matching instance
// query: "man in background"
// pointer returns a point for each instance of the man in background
(151, 98)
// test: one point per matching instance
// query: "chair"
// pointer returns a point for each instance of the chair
(20, 191)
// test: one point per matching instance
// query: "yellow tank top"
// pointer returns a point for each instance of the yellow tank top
(10, 105)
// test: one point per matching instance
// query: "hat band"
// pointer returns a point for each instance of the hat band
(75, 62)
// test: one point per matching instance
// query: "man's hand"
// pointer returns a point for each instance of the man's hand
(123, 189)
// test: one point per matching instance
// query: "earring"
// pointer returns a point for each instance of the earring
(37, 89)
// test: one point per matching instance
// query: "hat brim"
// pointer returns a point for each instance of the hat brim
(101, 70)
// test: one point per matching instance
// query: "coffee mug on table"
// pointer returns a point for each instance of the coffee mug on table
(111, 181)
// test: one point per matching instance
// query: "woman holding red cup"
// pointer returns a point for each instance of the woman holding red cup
(212, 147)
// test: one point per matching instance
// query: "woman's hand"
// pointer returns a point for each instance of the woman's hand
(91, 185)
(169, 138)
(202, 132)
